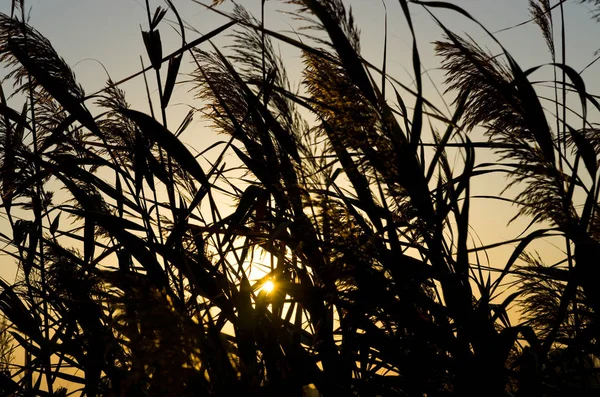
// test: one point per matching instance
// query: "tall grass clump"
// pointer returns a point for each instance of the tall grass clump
(134, 280)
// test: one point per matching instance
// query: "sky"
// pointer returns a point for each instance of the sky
(109, 30)
(95, 34)
(91, 34)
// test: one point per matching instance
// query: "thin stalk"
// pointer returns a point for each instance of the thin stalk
(564, 75)
(147, 89)
(556, 103)
(262, 25)
(564, 120)
(171, 185)
(39, 219)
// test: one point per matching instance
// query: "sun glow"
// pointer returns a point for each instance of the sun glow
(268, 286)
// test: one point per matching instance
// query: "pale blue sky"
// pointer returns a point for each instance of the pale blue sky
(109, 31)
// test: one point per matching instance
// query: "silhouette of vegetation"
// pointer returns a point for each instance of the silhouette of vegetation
(134, 281)
(6, 346)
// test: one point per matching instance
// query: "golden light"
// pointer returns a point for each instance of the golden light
(268, 286)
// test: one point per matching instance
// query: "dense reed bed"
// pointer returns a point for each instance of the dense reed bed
(135, 281)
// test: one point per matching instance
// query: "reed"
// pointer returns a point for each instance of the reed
(138, 282)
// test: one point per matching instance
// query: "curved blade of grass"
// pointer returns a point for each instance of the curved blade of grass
(523, 243)
(173, 70)
(114, 226)
(417, 122)
(169, 142)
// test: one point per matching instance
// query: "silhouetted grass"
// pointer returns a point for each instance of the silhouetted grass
(138, 284)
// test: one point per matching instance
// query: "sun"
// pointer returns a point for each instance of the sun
(268, 286)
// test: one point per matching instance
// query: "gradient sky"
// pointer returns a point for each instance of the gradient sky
(86, 32)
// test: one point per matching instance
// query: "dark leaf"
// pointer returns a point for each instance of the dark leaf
(19, 119)
(185, 123)
(153, 47)
(174, 64)
(158, 16)
(119, 194)
(55, 223)
(156, 132)
(89, 243)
